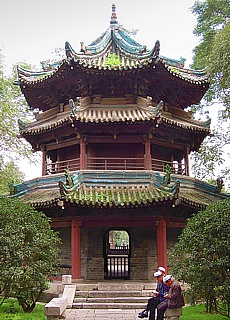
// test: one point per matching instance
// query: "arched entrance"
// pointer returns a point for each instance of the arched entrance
(116, 254)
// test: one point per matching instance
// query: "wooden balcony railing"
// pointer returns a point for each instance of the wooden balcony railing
(61, 166)
(160, 165)
(95, 163)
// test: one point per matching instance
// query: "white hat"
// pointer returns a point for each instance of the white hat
(167, 277)
(157, 274)
(161, 269)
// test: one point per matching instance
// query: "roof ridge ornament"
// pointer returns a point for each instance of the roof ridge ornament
(113, 20)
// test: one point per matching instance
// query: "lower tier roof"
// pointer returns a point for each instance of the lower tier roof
(116, 189)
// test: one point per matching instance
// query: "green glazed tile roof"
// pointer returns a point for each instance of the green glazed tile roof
(117, 189)
(113, 50)
(99, 113)
(118, 196)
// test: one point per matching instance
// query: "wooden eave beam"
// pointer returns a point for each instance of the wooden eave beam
(92, 222)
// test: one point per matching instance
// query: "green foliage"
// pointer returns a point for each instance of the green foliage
(201, 258)
(212, 53)
(10, 309)
(197, 312)
(9, 174)
(12, 107)
(209, 156)
(29, 252)
(212, 16)
(218, 67)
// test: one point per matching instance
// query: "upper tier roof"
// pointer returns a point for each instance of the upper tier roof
(114, 57)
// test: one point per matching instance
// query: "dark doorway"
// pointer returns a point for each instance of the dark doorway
(116, 254)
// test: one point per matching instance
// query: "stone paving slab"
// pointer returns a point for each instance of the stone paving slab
(102, 314)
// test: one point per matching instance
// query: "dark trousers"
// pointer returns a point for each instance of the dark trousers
(151, 306)
(161, 309)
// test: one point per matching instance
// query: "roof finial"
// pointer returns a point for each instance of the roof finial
(114, 15)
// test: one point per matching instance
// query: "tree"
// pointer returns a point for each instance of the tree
(213, 27)
(9, 174)
(12, 107)
(28, 250)
(201, 257)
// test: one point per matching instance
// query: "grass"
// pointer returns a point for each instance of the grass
(10, 310)
(197, 312)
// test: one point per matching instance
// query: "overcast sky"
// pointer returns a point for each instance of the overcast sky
(30, 30)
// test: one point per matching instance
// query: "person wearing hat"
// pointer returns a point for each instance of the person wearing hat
(173, 299)
(158, 296)
(162, 270)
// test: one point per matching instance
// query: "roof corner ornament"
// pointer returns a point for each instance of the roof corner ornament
(207, 123)
(167, 177)
(159, 107)
(220, 184)
(61, 188)
(175, 192)
(182, 62)
(83, 47)
(156, 49)
(68, 49)
(149, 101)
(75, 107)
(176, 188)
(69, 179)
(21, 125)
(149, 104)
(143, 49)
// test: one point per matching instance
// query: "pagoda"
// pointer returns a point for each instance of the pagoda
(115, 131)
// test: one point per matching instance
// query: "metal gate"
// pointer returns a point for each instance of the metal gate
(117, 263)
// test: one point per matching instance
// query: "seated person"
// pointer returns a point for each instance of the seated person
(173, 299)
(158, 296)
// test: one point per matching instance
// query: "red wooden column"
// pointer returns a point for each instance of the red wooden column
(82, 154)
(147, 155)
(43, 163)
(161, 244)
(75, 249)
(187, 161)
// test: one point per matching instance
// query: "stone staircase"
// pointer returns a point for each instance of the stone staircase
(113, 295)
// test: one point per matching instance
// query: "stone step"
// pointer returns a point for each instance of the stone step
(109, 294)
(112, 295)
(120, 286)
(115, 286)
(112, 300)
(112, 305)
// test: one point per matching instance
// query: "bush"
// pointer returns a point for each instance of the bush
(29, 252)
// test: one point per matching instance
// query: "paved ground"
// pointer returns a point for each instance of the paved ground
(102, 314)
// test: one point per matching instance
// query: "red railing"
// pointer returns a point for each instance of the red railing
(95, 163)
(61, 166)
(160, 165)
